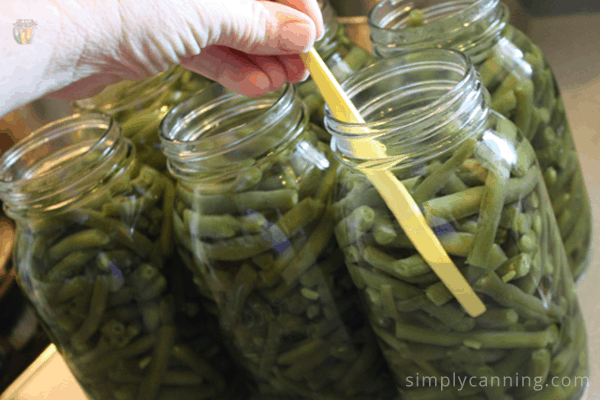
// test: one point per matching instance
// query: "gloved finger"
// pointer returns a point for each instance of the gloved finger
(271, 66)
(232, 69)
(262, 27)
(295, 70)
(84, 88)
(310, 8)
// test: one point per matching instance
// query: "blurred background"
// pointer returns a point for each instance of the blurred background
(566, 31)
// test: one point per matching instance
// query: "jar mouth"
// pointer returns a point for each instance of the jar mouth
(127, 94)
(443, 21)
(406, 101)
(66, 156)
(216, 130)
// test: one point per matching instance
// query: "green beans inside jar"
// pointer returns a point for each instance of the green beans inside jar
(522, 88)
(476, 179)
(139, 106)
(251, 222)
(95, 256)
(342, 56)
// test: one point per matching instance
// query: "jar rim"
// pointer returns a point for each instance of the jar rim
(52, 155)
(456, 16)
(170, 130)
(135, 93)
(217, 132)
(407, 111)
(357, 81)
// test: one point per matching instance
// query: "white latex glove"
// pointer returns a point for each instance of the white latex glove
(249, 46)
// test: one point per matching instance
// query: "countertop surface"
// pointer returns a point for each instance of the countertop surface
(571, 45)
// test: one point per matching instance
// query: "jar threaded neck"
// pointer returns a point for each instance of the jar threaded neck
(470, 26)
(216, 134)
(62, 163)
(416, 105)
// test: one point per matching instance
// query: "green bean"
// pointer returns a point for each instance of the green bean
(538, 368)
(489, 218)
(309, 253)
(436, 180)
(369, 197)
(464, 354)
(498, 318)
(515, 267)
(166, 234)
(473, 172)
(272, 276)
(125, 235)
(315, 275)
(308, 362)
(350, 229)
(323, 191)
(451, 316)
(464, 204)
(454, 184)
(253, 223)
(505, 103)
(153, 289)
(258, 201)
(405, 268)
(493, 391)
(272, 344)
(386, 297)
(383, 228)
(243, 285)
(239, 248)
(298, 217)
(359, 368)
(487, 340)
(71, 265)
(83, 240)
(511, 296)
(438, 293)
(401, 290)
(71, 288)
(187, 356)
(97, 308)
(124, 206)
(215, 226)
(158, 366)
(567, 356)
(151, 315)
(491, 71)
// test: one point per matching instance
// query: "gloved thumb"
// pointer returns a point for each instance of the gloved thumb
(252, 46)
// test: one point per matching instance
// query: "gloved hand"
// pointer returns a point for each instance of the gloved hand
(249, 46)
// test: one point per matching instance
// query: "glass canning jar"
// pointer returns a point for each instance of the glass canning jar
(251, 222)
(94, 255)
(522, 87)
(476, 179)
(139, 106)
(21, 337)
(342, 56)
